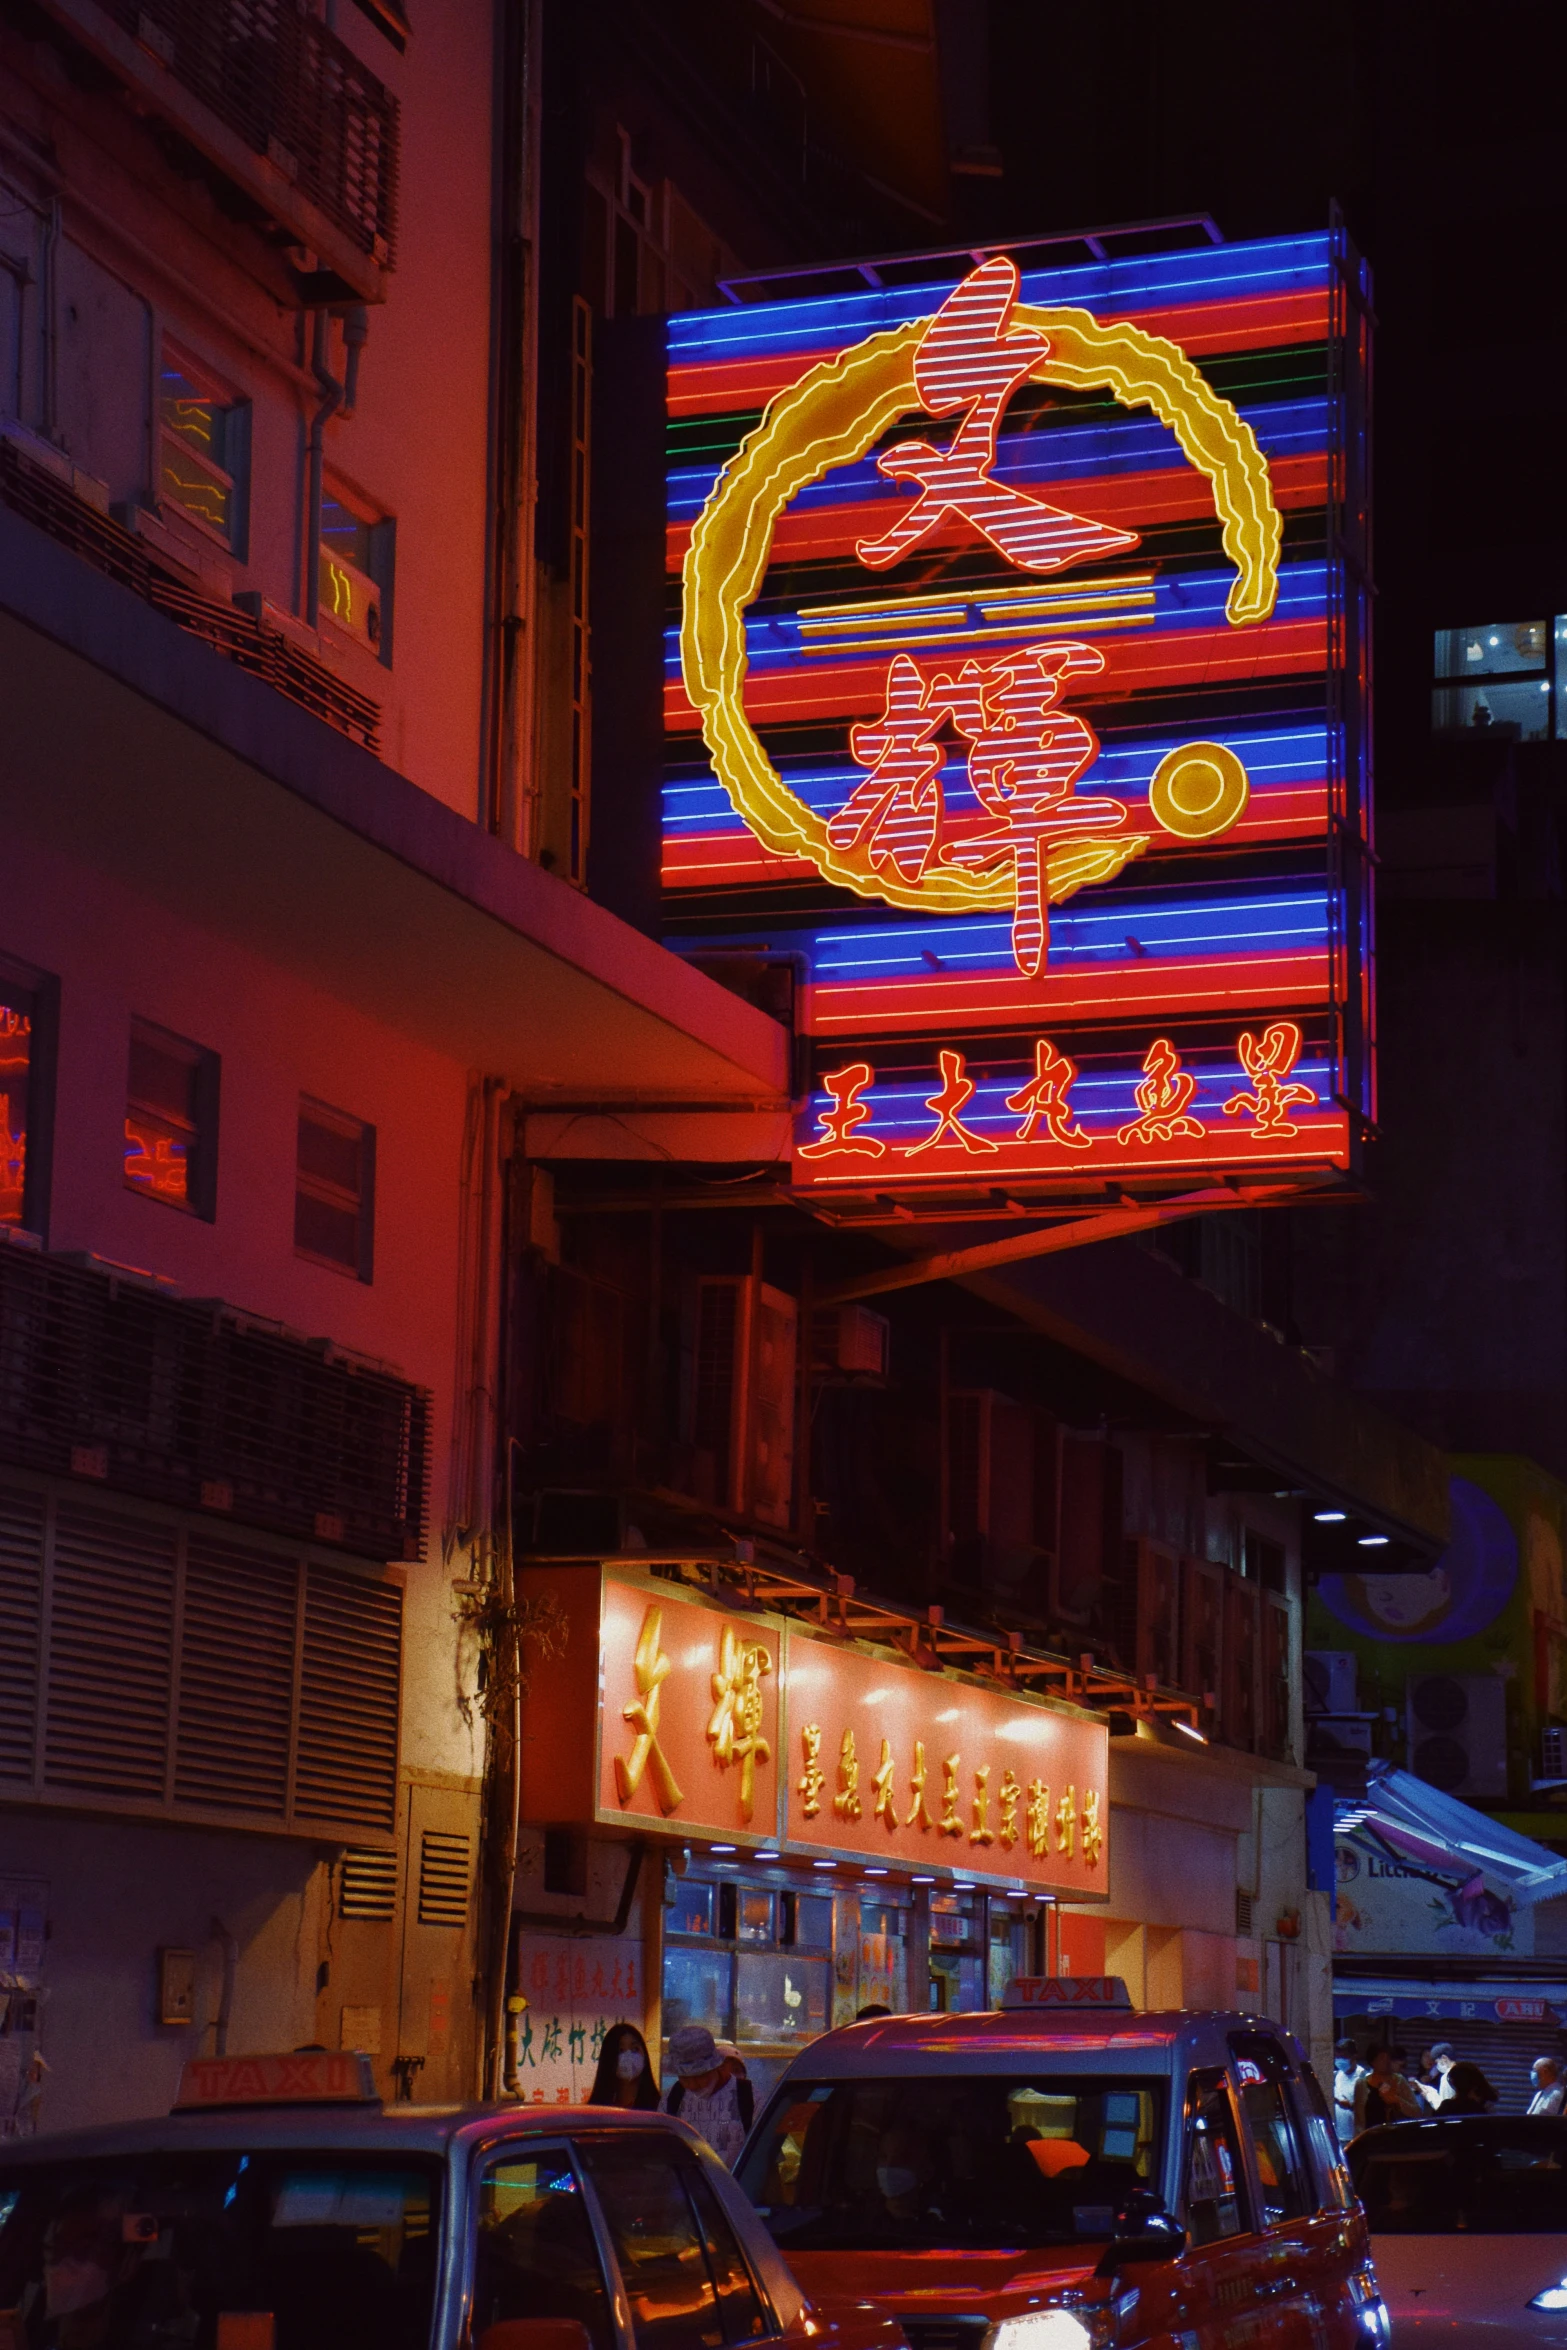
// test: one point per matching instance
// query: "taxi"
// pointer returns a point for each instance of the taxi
(279, 2207)
(1068, 2175)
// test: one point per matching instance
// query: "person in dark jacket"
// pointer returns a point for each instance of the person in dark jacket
(625, 2071)
(1472, 2092)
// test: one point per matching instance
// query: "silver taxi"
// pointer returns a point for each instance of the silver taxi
(279, 2207)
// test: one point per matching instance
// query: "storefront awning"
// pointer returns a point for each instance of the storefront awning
(1419, 1824)
(1447, 2002)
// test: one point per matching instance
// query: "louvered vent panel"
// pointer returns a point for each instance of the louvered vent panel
(236, 1678)
(111, 1642)
(367, 1887)
(347, 1766)
(443, 1879)
(21, 1581)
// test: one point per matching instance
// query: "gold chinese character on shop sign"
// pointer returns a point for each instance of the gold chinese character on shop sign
(652, 1670)
(919, 1810)
(734, 1729)
(812, 1779)
(885, 1806)
(1038, 1818)
(846, 1803)
(1066, 1821)
(982, 1832)
(949, 1822)
(1093, 1834)
(1008, 1795)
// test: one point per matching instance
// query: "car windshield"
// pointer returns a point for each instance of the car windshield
(220, 2251)
(1477, 2177)
(986, 2160)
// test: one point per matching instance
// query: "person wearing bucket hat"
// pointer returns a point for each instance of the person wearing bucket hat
(710, 2091)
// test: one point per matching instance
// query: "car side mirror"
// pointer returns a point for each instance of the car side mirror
(535, 2333)
(1144, 2232)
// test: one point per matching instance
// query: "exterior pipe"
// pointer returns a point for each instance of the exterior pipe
(229, 1945)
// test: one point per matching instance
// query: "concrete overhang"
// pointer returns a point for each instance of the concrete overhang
(131, 745)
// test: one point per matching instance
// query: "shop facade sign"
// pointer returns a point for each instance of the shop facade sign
(665, 1712)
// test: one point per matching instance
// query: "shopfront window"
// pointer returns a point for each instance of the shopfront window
(1502, 677)
(957, 1955)
(752, 1962)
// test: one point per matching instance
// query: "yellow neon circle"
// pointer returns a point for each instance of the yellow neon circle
(832, 416)
(1199, 790)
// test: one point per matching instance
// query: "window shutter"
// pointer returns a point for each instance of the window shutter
(443, 1879)
(348, 1699)
(367, 1887)
(111, 1646)
(236, 1677)
(21, 1582)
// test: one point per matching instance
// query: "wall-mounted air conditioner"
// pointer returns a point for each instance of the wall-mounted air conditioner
(1458, 1732)
(1329, 1679)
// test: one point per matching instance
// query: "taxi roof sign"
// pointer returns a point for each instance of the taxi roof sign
(306, 2076)
(1056, 1992)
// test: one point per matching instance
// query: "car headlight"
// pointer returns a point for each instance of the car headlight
(1553, 2297)
(1042, 2329)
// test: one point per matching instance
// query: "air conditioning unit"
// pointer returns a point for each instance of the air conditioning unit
(1458, 1733)
(851, 1340)
(1152, 1582)
(1330, 1686)
(745, 1395)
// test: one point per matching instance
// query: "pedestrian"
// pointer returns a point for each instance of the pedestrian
(870, 2011)
(710, 2091)
(1383, 2095)
(625, 2072)
(1550, 2090)
(1472, 2092)
(1348, 2073)
(1436, 2082)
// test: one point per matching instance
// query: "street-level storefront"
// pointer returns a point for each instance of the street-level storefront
(834, 1826)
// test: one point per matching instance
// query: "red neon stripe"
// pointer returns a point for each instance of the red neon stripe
(883, 1007)
(719, 386)
(1125, 501)
(1196, 656)
(1322, 1141)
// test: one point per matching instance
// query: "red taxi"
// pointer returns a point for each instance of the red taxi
(280, 2208)
(1067, 2174)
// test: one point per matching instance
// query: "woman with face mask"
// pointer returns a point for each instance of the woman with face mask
(625, 2075)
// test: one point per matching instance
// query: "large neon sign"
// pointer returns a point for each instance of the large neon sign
(1018, 691)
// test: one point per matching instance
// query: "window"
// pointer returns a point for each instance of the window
(334, 1193)
(171, 1121)
(1502, 677)
(535, 2255)
(1215, 2190)
(684, 2274)
(355, 588)
(1281, 2169)
(1334, 2192)
(18, 1086)
(203, 448)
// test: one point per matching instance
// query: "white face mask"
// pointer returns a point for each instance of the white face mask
(893, 2181)
(630, 2064)
(70, 2285)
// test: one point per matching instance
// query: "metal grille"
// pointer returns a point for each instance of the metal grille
(944, 2333)
(21, 1576)
(34, 493)
(443, 1879)
(348, 1699)
(111, 1643)
(367, 1887)
(293, 92)
(237, 1652)
(189, 1405)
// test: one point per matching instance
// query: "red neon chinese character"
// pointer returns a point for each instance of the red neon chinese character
(1043, 1099)
(1163, 1098)
(848, 1111)
(1268, 1061)
(1023, 763)
(967, 360)
(898, 806)
(957, 1091)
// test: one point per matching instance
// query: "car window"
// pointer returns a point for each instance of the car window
(1481, 2176)
(534, 2253)
(682, 2295)
(1282, 2178)
(1214, 2177)
(1334, 2192)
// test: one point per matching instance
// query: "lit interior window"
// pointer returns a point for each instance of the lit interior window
(198, 447)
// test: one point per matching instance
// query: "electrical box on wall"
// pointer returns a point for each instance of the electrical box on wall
(176, 1987)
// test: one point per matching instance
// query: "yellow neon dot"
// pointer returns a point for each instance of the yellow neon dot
(1199, 790)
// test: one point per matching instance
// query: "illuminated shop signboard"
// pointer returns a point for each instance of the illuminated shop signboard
(1015, 691)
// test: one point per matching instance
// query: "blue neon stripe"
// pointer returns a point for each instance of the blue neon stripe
(1216, 273)
(1099, 1101)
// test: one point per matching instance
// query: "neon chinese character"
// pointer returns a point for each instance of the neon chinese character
(734, 1728)
(1043, 1098)
(1023, 763)
(885, 1806)
(1093, 1834)
(1163, 1098)
(848, 1112)
(919, 1812)
(966, 359)
(1066, 1821)
(1038, 1818)
(982, 1832)
(652, 1670)
(1267, 1061)
(1008, 1795)
(949, 1823)
(812, 1779)
(846, 1803)
(957, 1091)
(897, 808)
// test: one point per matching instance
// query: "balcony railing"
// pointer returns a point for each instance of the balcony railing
(105, 1379)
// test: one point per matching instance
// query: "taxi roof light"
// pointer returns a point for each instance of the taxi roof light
(1095, 1992)
(303, 2076)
